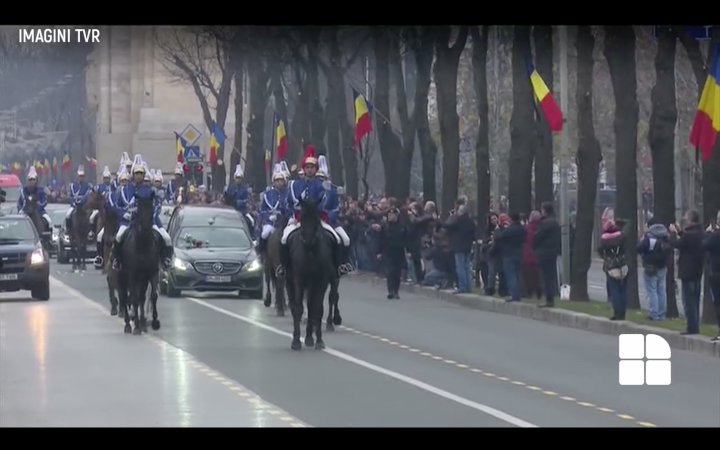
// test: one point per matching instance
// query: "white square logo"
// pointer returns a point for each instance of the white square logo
(644, 360)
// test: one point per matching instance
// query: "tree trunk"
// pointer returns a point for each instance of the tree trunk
(620, 54)
(389, 142)
(661, 137)
(236, 153)
(544, 148)
(588, 166)
(424, 58)
(255, 158)
(312, 88)
(334, 102)
(299, 135)
(406, 149)
(522, 126)
(482, 150)
(446, 73)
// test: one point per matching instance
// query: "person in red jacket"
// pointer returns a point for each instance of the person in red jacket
(530, 269)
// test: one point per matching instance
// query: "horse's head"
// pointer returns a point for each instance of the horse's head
(31, 203)
(145, 201)
(96, 201)
(310, 218)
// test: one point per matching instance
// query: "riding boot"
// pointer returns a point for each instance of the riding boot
(262, 246)
(116, 256)
(99, 257)
(345, 263)
(284, 260)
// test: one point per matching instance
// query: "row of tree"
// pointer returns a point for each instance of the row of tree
(416, 79)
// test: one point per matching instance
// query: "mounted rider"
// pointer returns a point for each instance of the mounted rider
(301, 188)
(32, 188)
(79, 192)
(177, 183)
(126, 203)
(126, 165)
(111, 208)
(104, 189)
(237, 195)
(332, 206)
(160, 190)
(274, 204)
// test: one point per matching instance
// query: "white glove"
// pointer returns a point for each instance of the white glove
(327, 185)
(127, 216)
(273, 217)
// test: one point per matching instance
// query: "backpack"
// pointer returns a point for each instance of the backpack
(616, 264)
(656, 257)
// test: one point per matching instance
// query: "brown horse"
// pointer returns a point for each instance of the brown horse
(271, 260)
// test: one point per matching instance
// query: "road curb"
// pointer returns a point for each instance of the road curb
(555, 316)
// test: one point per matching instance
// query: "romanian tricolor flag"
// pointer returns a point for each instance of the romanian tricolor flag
(17, 168)
(91, 162)
(180, 145)
(217, 139)
(66, 162)
(268, 159)
(46, 166)
(281, 141)
(54, 164)
(707, 118)
(363, 124)
(545, 98)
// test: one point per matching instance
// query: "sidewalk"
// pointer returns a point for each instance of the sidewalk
(557, 316)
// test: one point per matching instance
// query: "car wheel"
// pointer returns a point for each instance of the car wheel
(171, 291)
(256, 295)
(41, 291)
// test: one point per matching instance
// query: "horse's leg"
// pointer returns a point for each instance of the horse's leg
(296, 305)
(268, 279)
(335, 299)
(125, 306)
(135, 298)
(317, 300)
(82, 247)
(312, 308)
(153, 299)
(143, 295)
(113, 298)
(279, 295)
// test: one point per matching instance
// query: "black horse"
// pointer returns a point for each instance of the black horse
(140, 263)
(311, 269)
(31, 210)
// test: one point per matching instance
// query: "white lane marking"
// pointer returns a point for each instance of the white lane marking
(243, 391)
(398, 376)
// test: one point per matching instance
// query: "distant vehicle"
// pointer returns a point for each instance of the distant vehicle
(213, 252)
(12, 186)
(57, 212)
(24, 264)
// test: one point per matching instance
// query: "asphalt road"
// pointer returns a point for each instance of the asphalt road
(414, 362)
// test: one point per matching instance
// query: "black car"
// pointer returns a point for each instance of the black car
(24, 263)
(57, 212)
(213, 252)
(64, 251)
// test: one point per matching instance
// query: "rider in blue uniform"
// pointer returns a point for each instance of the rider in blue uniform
(111, 208)
(274, 203)
(126, 203)
(160, 190)
(311, 187)
(105, 188)
(177, 183)
(237, 195)
(32, 188)
(332, 206)
(79, 191)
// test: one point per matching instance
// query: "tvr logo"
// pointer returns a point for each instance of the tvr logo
(644, 360)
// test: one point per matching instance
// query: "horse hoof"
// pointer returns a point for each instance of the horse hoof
(319, 345)
(114, 311)
(155, 324)
(296, 345)
(309, 342)
(267, 302)
(281, 313)
(128, 329)
(330, 327)
(337, 320)
(137, 331)
(121, 314)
